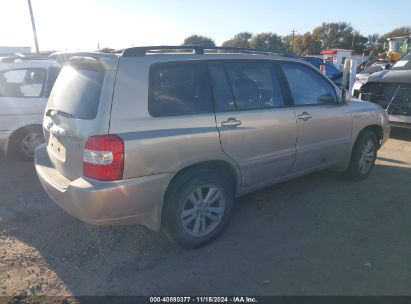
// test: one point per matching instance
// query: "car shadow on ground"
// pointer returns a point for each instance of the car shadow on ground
(312, 235)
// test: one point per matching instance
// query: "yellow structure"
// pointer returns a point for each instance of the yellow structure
(397, 47)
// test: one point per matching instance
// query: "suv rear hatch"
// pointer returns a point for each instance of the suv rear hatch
(79, 107)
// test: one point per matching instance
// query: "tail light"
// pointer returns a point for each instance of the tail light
(357, 78)
(103, 157)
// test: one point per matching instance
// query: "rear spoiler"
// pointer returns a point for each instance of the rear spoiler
(108, 60)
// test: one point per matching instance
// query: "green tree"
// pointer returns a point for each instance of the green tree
(375, 44)
(242, 39)
(198, 40)
(288, 43)
(358, 43)
(398, 32)
(304, 44)
(339, 35)
(267, 41)
(308, 45)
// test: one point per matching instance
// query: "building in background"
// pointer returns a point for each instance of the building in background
(338, 56)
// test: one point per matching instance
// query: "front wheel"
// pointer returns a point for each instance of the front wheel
(198, 208)
(363, 156)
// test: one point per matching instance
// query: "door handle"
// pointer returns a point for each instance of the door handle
(231, 122)
(304, 116)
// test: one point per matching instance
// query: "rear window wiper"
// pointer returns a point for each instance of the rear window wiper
(51, 112)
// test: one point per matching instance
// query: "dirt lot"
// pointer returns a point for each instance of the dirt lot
(317, 235)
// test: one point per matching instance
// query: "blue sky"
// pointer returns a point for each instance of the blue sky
(82, 24)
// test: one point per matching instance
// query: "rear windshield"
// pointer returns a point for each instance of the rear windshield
(77, 91)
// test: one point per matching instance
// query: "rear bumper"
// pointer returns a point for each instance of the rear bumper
(130, 201)
(4, 140)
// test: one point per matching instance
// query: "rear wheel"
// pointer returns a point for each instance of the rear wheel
(363, 156)
(24, 142)
(198, 207)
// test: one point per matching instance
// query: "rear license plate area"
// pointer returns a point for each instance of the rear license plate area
(55, 147)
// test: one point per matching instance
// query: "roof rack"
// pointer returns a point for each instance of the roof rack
(142, 51)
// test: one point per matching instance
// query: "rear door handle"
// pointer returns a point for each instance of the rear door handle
(231, 122)
(304, 116)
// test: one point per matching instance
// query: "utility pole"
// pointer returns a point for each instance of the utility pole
(292, 47)
(33, 25)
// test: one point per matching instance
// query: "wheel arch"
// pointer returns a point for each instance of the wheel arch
(224, 167)
(376, 129)
(352, 170)
(16, 133)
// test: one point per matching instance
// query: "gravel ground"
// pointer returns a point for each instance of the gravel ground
(316, 235)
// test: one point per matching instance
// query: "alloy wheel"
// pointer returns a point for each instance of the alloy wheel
(203, 210)
(367, 157)
(30, 142)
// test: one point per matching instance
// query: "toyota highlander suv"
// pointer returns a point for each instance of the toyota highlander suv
(169, 137)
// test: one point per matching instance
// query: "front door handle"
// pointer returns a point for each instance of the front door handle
(231, 122)
(304, 116)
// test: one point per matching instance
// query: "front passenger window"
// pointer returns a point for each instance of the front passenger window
(307, 86)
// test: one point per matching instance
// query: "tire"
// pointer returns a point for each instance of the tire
(363, 156)
(203, 221)
(23, 143)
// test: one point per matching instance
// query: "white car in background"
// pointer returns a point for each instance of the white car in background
(362, 77)
(25, 85)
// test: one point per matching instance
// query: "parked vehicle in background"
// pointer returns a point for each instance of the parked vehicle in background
(362, 77)
(168, 137)
(391, 89)
(331, 71)
(398, 47)
(25, 85)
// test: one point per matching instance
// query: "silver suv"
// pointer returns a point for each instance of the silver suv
(168, 137)
(25, 85)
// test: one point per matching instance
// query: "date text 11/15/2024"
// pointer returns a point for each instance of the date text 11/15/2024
(203, 300)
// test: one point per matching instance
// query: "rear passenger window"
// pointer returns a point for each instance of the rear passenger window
(22, 83)
(179, 89)
(250, 85)
(307, 86)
